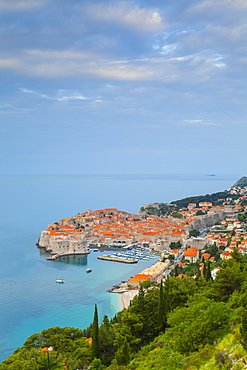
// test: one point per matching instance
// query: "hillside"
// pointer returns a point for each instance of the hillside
(241, 182)
(216, 199)
(183, 323)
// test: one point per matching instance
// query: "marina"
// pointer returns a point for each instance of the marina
(130, 254)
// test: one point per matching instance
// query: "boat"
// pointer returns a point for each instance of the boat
(60, 281)
(89, 270)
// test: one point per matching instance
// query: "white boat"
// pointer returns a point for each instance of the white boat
(89, 270)
(60, 281)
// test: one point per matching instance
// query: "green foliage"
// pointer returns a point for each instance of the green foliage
(208, 271)
(106, 341)
(201, 315)
(242, 182)
(243, 329)
(96, 365)
(177, 215)
(200, 213)
(161, 309)
(194, 232)
(192, 315)
(151, 211)
(191, 268)
(146, 284)
(175, 245)
(123, 353)
(66, 342)
(242, 217)
(201, 198)
(95, 334)
(228, 279)
(158, 357)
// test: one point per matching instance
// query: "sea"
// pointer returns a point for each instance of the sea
(30, 299)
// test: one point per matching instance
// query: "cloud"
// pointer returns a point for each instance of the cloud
(27, 91)
(66, 96)
(62, 95)
(197, 122)
(21, 5)
(58, 54)
(127, 14)
(166, 49)
(218, 6)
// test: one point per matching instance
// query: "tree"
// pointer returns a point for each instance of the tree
(201, 315)
(161, 309)
(208, 271)
(176, 270)
(243, 329)
(95, 334)
(106, 341)
(123, 353)
(194, 232)
(96, 365)
(228, 279)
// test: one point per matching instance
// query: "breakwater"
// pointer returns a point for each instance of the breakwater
(117, 259)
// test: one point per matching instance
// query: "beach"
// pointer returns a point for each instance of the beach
(126, 297)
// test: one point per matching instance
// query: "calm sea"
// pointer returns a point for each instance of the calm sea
(30, 299)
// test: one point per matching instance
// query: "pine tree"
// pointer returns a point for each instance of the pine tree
(95, 334)
(123, 353)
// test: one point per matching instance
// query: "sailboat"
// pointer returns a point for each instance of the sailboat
(60, 281)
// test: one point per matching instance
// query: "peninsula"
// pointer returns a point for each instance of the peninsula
(157, 225)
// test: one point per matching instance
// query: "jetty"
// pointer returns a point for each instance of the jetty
(55, 256)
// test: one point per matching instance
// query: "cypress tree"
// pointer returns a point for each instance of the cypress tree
(95, 334)
(167, 304)
(161, 309)
(208, 272)
(176, 270)
(140, 300)
(204, 269)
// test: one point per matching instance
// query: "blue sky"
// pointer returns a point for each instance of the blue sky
(91, 87)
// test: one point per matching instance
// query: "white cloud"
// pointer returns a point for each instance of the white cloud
(66, 96)
(197, 122)
(27, 91)
(166, 49)
(125, 13)
(62, 95)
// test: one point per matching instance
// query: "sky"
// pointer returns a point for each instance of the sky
(94, 87)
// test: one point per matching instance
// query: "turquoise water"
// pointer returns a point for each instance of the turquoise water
(30, 299)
